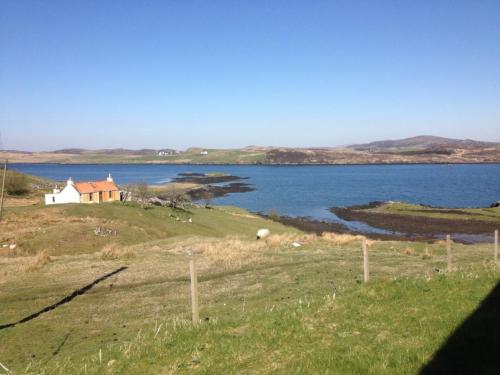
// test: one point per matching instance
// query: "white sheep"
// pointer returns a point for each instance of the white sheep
(261, 233)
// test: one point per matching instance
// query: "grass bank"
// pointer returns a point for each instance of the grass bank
(266, 306)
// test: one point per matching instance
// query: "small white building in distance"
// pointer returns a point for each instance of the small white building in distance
(166, 152)
(204, 153)
(85, 192)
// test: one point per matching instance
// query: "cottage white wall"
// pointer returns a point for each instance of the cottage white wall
(68, 195)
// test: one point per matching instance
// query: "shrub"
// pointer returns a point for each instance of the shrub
(16, 184)
(113, 251)
(207, 197)
(341, 239)
(273, 215)
(427, 254)
(39, 261)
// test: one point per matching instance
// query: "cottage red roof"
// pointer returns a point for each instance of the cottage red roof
(95, 186)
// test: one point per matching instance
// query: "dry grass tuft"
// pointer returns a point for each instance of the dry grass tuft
(409, 251)
(344, 239)
(286, 239)
(39, 261)
(114, 251)
(11, 252)
(427, 254)
(233, 252)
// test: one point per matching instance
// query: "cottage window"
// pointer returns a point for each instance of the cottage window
(53, 199)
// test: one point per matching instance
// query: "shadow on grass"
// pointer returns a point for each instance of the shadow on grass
(61, 344)
(65, 300)
(474, 346)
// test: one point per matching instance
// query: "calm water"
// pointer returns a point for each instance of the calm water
(310, 190)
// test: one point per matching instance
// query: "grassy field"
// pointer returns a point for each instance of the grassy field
(266, 306)
(191, 156)
(63, 229)
(214, 156)
(481, 214)
(33, 188)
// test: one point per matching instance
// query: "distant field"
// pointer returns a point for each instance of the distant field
(465, 214)
(454, 153)
(213, 157)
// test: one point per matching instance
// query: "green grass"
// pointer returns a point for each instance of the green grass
(482, 214)
(279, 319)
(214, 157)
(30, 179)
(272, 313)
(190, 156)
(69, 229)
(384, 328)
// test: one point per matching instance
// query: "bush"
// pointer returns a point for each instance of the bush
(273, 215)
(143, 193)
(207, 197)
(39, 260)
(16, 184)
(114, 251)
(176, 198)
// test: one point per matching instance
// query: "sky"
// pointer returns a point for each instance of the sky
(228, 74)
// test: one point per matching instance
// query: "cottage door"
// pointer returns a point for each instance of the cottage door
(100, 196)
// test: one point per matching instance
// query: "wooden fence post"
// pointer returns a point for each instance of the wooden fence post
(366, 274)
(3, 188)
(194, 291)
(448, 251)
(495, 246)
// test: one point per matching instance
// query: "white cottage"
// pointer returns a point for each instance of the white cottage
(85, 192)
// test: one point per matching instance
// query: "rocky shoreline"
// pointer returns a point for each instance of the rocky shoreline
(379, 225)
(218, 191)
(207, 189)
(309, 225)
(416, 226)
(205, 179)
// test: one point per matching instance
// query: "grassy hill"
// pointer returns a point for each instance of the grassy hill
(22, 189)
(420, 149)
(424, 142)
(190, 156)
(42, 225)
(266, 306)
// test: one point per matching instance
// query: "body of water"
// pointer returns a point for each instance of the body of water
(311, 190)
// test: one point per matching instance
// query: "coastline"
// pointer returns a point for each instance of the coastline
(257, 164)
(310, 225)
(423, 222)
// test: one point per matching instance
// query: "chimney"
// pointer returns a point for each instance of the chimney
(70, 181)
(109, 179)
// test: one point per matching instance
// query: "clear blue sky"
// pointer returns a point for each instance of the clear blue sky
(233, 73)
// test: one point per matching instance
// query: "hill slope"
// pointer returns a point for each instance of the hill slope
(420, 149)
(423, 142)
(267, 307)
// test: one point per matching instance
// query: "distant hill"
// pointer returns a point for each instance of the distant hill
(107, 151)
(424, 142)
(421, 149)
(73, 151)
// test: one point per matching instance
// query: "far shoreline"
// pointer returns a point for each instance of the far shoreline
(261, 164)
